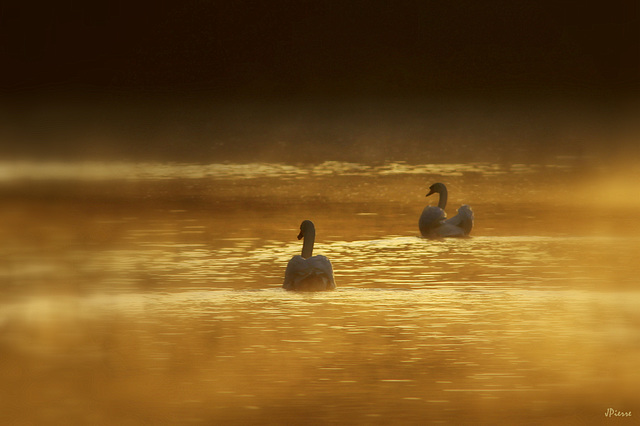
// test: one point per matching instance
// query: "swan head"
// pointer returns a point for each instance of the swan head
(306, 227)
(437, 188)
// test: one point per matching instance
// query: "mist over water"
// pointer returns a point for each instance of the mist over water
(144, 249)
(440, 130)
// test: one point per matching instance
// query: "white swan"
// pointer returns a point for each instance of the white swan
(433, 220)
(307, 272)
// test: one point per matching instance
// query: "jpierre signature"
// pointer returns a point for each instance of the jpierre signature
(615, 413)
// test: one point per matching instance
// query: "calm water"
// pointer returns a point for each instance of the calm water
(150, 294)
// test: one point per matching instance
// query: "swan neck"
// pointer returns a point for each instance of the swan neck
(307, 246)
(442, 200)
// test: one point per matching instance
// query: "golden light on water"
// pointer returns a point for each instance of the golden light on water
(151, 292)
(156, 162)
(96, 171)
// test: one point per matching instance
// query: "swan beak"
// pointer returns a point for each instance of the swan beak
(430, 192)
(300, 235)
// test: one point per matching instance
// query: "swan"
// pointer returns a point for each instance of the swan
(433, 222)
(307, 272)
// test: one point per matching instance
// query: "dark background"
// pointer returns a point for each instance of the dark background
(291, 48)
(152, 61)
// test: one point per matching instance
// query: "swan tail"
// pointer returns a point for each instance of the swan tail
(463, 220)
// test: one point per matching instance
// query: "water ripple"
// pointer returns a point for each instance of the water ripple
(97, 171)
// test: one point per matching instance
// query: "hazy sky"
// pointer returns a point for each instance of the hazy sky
(323, 48)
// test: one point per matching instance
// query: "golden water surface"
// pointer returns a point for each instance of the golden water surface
(150, 293)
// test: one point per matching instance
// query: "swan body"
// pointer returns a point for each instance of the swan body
(306, 272)
(433, 221)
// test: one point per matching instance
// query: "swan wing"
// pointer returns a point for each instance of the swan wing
(312, 274)
(463, 220)
(295, 268)
(430, 219)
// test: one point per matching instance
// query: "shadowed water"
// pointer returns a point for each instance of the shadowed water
(151, 293)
